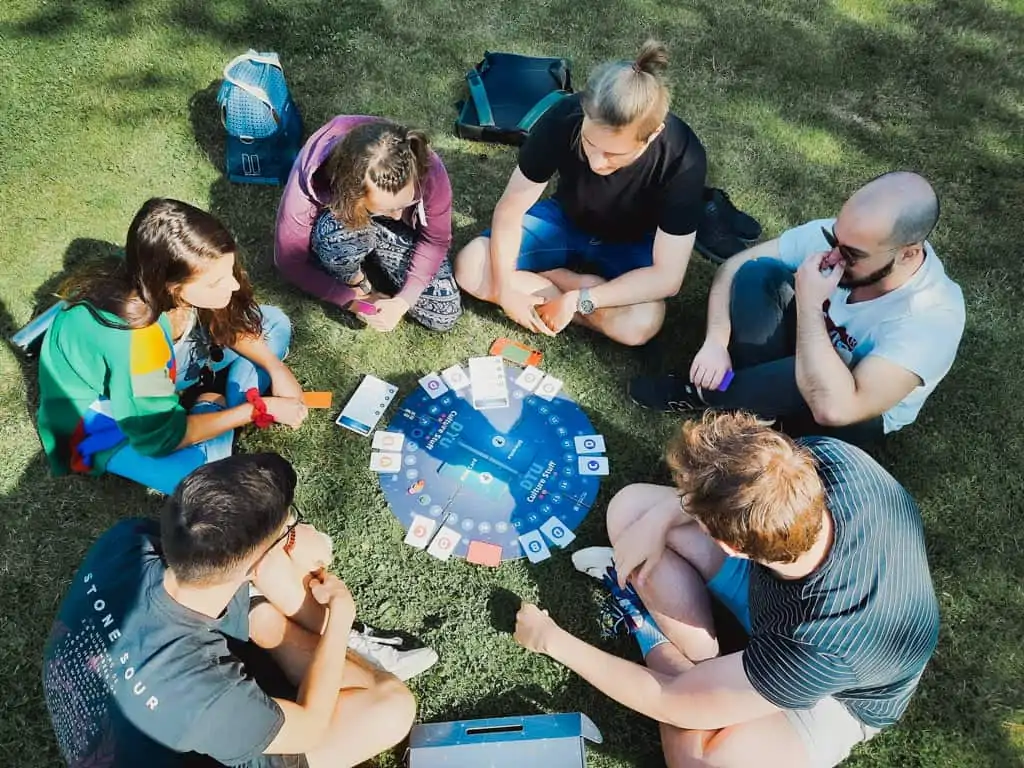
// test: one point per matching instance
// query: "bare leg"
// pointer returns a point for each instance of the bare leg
(473, 274)
(674, 593)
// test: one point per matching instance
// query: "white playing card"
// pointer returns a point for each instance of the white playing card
(385, 462)
(534, 546)
(530, 378)
(455, 377)
(548, 387)
(589, 444)
(434, 385)
(388, 441)
(420, 531)
(444, 543)
(489, 386)
(593, 465)
(557, 532)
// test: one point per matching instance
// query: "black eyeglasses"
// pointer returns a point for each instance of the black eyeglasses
(850, 254)
(289, 534)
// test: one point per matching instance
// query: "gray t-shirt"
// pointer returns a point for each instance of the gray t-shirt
(133, 678)
(862, 627)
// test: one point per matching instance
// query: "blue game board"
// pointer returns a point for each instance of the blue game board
(491, 475)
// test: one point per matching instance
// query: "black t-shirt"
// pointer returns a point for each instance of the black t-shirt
(862, 627)
(662, 189)
(133, 678)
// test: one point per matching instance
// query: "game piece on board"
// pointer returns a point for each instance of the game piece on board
(482, 553)
(444, 543)
(387, 441)
(385, 462)
(589, 444)
(455, 377)
(317, 399)
(530, 378)
(420, 531)
(557, 532)
(534, 546)
(367, 405)
(593, 465)
(489, 385)
(548, 387)
(434, 385)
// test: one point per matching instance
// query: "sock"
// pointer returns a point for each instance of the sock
(648, 636)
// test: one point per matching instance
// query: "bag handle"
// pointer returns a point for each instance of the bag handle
(479, 95)
(537, 110)
(255, 91)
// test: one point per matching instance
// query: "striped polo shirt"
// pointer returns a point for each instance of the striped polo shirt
(862, 627)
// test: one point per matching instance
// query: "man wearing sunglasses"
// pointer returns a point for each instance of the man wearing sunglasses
(840, 326)
(144, 665)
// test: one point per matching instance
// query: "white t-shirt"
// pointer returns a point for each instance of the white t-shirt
(918, 326)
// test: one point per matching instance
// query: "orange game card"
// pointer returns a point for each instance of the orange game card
(482, 553)
(317, 399)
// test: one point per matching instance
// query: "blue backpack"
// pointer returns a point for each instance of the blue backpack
(264, 128)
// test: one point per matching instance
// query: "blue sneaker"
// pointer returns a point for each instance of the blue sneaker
(624, 612)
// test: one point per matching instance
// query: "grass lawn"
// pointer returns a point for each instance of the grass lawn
(104, 103)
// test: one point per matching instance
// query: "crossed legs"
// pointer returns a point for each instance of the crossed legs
(374, 711)
(631, 325)
(677, 598)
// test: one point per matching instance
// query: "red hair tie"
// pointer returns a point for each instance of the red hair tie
(260, 417)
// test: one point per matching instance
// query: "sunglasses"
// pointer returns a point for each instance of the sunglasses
(288, 536)
(850, 254)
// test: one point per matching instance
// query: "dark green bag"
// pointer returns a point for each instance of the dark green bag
(508, 93)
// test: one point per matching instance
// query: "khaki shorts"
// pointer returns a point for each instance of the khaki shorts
(828, 732)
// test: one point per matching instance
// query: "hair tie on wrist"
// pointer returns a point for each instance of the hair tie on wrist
(259, 417)
(289, 543)
(636, 67)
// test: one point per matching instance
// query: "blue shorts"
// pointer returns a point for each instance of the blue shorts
(551, 241)
(731, 585)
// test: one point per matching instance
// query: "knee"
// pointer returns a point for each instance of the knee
(765, 275)
(641, 324)
(267, 625)
(623, 510)
(277, 328)
(212, 397)
(399, 707)
(470, 268)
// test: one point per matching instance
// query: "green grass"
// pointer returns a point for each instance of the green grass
(106, 102)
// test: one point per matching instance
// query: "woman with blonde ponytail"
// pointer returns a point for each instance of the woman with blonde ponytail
(614, 240)
(365, 189)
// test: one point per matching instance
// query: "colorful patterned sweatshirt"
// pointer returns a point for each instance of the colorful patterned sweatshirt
(100, 387)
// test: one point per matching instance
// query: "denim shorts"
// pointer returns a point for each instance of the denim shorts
(827, 730)
(551, 241)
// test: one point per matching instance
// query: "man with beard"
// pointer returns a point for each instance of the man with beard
(839, 327)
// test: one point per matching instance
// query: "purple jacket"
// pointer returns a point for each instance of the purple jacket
(303, 200)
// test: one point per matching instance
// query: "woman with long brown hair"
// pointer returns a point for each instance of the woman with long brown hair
(178, 309)
(366, 191)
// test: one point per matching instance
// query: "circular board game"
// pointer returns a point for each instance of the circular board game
(492, 475)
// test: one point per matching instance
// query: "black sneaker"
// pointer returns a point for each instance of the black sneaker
(666, 393)
(743, 225)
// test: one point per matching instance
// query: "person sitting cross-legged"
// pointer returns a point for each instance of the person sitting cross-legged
(814, 548)
(613, 242)
(840, 326)
(148, 662)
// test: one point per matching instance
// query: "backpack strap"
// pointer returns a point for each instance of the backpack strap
(255, 91)
(538, 109)
(479, 96)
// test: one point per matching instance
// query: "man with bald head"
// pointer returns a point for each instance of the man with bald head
(840, 327)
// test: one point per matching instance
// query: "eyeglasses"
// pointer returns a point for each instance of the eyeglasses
(850, 254)
(289, 533)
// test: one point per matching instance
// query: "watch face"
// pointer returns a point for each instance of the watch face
(586, 306)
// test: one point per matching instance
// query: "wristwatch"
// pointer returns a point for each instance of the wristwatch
(584, 304)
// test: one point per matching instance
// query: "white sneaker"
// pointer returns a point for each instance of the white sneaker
(385, 653)
(594, 561)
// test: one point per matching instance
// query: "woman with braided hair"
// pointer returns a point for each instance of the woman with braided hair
(366, 191)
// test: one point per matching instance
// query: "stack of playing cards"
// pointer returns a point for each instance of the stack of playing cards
(488, 387)
(367, 405)
(588, 447)
(534, 545)
(424, 534)
(387, 452)
(541, 384)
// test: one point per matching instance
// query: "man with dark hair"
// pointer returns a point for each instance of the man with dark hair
(143, 664)
(840, 326)
(817, 552)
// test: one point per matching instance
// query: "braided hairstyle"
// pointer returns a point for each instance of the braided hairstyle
(630, 93)
(385, 153)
